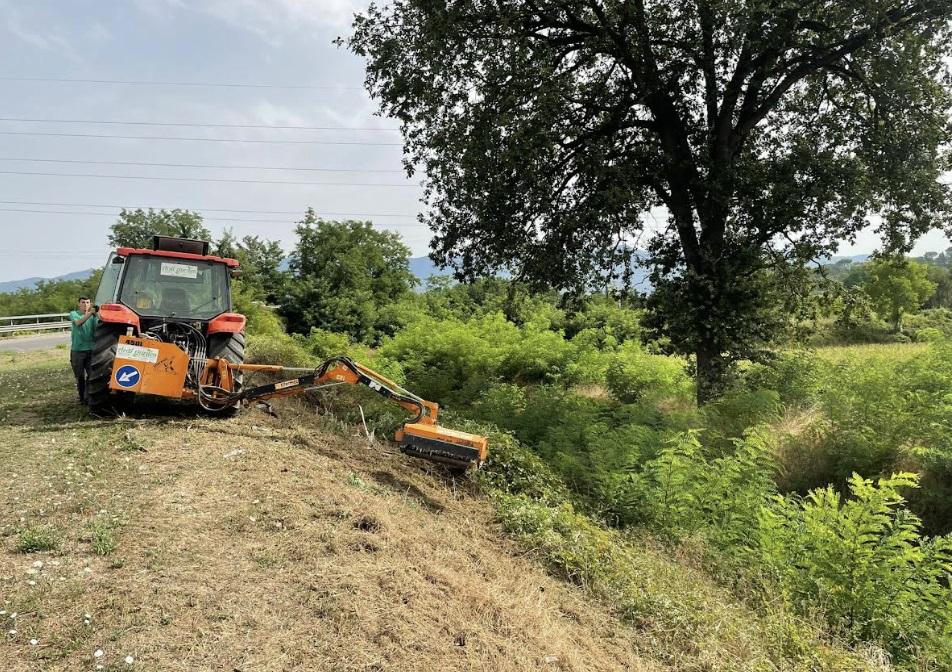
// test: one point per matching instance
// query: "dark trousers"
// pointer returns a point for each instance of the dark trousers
(80, 361)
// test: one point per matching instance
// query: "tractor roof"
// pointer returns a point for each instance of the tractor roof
(126, 251)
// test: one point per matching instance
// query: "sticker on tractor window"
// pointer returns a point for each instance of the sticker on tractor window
(137, 353)
(173, 270)
(127, 376)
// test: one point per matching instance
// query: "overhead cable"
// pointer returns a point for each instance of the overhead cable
(136, 82)
(208, 179)
(174, 137)
(209, 219)
(178, 207)
(195, 125)
(204, 165)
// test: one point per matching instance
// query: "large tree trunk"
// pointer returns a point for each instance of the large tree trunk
(711, 370)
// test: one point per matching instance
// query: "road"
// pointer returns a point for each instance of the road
(38, 342)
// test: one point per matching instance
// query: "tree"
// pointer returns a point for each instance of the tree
(548, 129)
(260, 262)
(261, 267)
(897, 287)
(135, 228)
(342, 275)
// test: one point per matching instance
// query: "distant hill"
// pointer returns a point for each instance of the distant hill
(423, 268)
(30, 283)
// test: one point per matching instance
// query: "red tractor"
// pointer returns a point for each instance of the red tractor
(167, 328)
(174, 293)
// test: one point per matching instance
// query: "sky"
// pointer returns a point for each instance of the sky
(55, 216)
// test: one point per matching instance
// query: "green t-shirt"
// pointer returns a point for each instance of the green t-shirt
(82, 335)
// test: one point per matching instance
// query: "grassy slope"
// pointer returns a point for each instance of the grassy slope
(259, 544)
(278, 544)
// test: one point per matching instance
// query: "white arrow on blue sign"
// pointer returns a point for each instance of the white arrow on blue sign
(127, 376)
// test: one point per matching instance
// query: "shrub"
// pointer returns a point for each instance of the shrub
(278, 349)
(796, 376)
(634, 375)
(323, 344)
(863, 562)
(681, 493)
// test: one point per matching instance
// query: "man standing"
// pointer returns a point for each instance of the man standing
(83, 326)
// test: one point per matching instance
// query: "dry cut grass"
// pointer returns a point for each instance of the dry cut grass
(187, 543)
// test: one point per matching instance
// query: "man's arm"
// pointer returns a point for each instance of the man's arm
(82, 320)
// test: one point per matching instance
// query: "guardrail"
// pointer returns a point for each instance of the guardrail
(47, 322)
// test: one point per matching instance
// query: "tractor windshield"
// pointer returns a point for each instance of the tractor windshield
(170, 287)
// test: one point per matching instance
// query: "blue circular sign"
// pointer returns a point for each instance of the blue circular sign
(127, 376)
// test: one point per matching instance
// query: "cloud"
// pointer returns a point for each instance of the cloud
(268, 14)
(36, 31)
(270, 20)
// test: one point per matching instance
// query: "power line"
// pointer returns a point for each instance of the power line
(207, 219)
(192, 125)
(204, 165)
(207, 179)
(173, 137)
(131, 82)
(165, 207)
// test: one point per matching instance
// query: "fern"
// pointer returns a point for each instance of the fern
(863, 562)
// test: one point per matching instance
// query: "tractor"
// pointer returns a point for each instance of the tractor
(167, 329)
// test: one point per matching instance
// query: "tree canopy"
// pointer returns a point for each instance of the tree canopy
(897, 287)
(548, 130)
(135, 228)
(342, 275)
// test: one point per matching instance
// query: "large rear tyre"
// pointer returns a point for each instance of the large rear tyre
(102, 400)
(230, 347)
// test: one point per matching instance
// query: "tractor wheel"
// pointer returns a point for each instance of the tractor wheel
(103, 401)
(230, 347)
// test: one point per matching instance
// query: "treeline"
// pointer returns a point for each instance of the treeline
(49, 296)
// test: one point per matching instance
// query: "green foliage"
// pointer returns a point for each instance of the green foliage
(537, 162)
(342, 275)
(795, 375)
(863, 562)
(278, 349)
(135, 228)
(37, 538)
(49, 296)
(634, 375)
(261, 319)
(324, 344)
(897, 288)
(259, 261)
(929, 325)
(681, 492)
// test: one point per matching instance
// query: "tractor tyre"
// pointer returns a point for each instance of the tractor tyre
(102, 400)
(230, 347)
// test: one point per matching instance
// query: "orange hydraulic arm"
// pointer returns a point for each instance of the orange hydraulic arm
(421, 436)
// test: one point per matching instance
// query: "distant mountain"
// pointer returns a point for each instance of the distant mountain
(423, 268)
(30, 283)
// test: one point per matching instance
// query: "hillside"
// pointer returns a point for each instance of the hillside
(259, 544)
(31, 283)
(290, 543)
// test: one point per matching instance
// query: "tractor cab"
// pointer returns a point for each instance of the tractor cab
(174, 293)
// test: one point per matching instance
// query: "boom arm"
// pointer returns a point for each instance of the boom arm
(421, 436)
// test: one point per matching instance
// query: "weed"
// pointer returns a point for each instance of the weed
(37, 538)
(102, 537)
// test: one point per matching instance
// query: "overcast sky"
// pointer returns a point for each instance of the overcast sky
(283, 46)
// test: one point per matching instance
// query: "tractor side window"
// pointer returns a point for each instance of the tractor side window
(110, 280)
